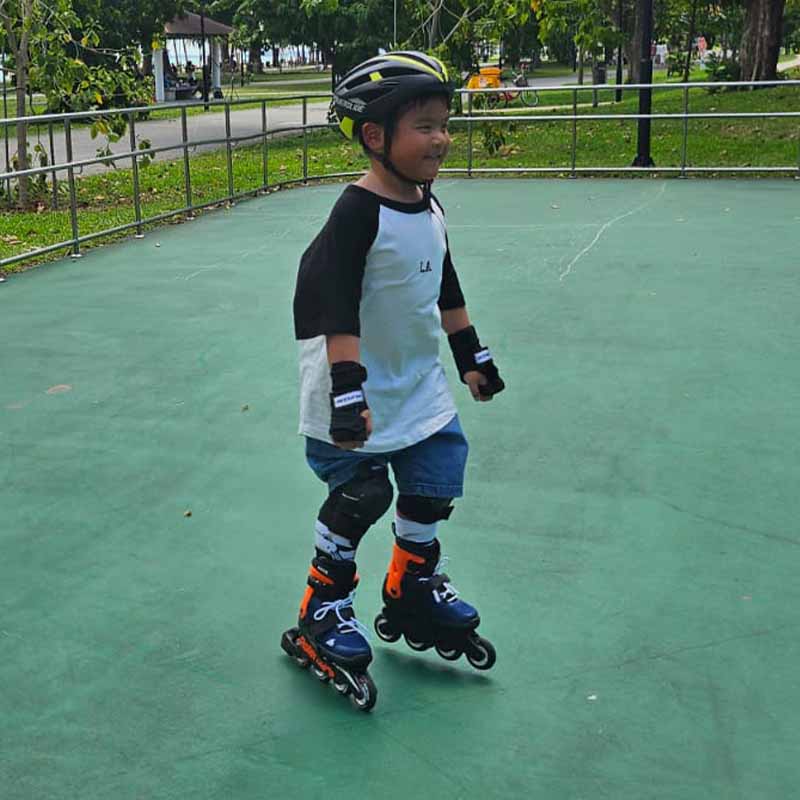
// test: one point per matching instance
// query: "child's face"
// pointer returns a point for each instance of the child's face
(421, 141)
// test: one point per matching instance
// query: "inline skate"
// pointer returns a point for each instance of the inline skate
(422, 605)
(328, 638)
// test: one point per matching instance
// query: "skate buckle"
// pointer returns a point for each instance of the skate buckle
(450, 593)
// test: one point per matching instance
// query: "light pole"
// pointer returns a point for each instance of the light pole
(203, 53)
(394, 38)
(643, 158)
(620, 21)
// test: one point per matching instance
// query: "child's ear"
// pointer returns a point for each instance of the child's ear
(372, 134)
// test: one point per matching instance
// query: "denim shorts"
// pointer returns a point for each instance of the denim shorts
(433, 467)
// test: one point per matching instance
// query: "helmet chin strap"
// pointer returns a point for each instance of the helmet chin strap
(424, 185)
(387, 163)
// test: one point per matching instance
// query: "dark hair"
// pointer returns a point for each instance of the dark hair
(390, 122)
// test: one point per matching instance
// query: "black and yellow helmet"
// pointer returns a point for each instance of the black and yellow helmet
(376, 87)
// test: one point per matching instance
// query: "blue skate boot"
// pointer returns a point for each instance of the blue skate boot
(328, 637)
(422, 605)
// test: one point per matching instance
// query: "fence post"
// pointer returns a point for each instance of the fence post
(574, 131)
(797, 177)
(73, 207)
(265, 146)
(229, 152)
(685, 130)
(469, 134)
(305, 139)
(187, 173)
(137, 203)
(53, 163)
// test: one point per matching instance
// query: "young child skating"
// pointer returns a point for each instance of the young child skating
(374, 290)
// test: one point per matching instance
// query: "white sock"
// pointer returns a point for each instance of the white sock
(417, 532)
(339, 548)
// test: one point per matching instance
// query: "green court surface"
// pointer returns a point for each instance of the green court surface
(629, 531)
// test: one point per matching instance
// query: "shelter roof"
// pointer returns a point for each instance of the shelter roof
(188, 27)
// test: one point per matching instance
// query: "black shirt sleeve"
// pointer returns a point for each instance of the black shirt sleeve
(328, 290)
(450, 296)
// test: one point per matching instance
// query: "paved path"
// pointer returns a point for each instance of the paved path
(164, 133)
(795, 62)
(167, 132)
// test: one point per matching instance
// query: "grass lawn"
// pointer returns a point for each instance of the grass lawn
(254, 93)
(548, 70)
(561, 97)
(105, 200)
(289, 75)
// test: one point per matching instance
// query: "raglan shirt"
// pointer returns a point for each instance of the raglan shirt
(380, 270)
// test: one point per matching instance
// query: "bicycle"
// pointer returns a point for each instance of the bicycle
(490, 78)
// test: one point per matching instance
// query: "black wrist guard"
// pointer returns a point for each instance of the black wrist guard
(347, 402)
(471, 356)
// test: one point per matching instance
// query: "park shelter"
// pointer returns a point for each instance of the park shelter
(193, 26)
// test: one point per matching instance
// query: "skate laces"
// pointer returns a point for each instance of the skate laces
(439, 580)
(345, 624)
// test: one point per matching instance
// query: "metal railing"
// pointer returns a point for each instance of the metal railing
(469, 118)
(685, 115)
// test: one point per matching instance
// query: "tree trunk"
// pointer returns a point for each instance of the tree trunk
(22, 128)
(635, 56)
(690, 44)
(761, 39)
(21, 61)
(433, 31)
(147, 61)
(254, 58)
(580, 66)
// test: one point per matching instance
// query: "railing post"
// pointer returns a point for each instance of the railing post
(305, 139)
(137, 203)
(229, 152)
(53, 163)
(73, 205)
(469, 134)
(797, 177)
(264, 146)
(187, 173)
(574, 131)
(685, 130)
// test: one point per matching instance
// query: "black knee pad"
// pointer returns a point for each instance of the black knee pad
(425, 510)
(352, 507)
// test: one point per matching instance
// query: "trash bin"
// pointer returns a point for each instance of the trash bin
(600, 73)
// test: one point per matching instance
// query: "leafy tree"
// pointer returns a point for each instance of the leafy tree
(791, 26)
(132, 22)
(50, 47)
(590, 23)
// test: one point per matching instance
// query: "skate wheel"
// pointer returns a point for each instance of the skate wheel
(290, 648)
(419, 646)
(364, 696)
(448, 654)
(384, 629)
(342, 686)
(480, 652)
(319, 674)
